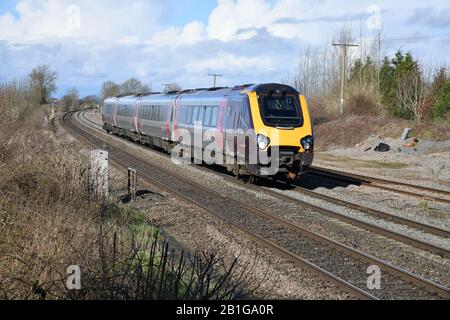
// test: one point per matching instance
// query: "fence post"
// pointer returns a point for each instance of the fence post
(132, 182)
(99, 173)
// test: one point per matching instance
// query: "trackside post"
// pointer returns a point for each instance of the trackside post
(99, 173)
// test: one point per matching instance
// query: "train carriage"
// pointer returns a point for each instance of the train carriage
(272, 117)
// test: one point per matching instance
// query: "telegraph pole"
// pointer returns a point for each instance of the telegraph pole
(215, 77)
(344, 49)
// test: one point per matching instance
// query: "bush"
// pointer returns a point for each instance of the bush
(49, 221)
(441, 108)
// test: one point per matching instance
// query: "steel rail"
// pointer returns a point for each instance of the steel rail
(403, 274)
(378, 183)
(365, 225)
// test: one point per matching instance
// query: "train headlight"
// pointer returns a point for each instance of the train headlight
(263, 142)
(308, 143)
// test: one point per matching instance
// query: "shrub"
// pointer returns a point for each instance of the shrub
(441, 108)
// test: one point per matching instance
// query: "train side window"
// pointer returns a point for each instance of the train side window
(186, 115)
(189, 115)
(195, 114)
(207, 118)
(215, 117)
(200, 114)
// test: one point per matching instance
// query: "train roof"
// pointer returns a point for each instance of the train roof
(261, 88)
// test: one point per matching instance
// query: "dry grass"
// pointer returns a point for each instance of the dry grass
(353, 129)
(49, 221)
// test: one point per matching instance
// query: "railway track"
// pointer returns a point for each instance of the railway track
(333, 214)
(357, 222)
(292, 241)
(421, 192)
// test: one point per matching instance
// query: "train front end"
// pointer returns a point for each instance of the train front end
(283, 128)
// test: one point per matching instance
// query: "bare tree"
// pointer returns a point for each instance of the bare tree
(171, 87)
(43, 83)
(410, 92)
(109, 89)
(134, 86)
(71, 100)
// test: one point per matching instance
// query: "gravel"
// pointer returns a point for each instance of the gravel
(405, 256)
(195, 229)
(427, 163)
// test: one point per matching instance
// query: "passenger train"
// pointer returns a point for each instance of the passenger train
(274, 118)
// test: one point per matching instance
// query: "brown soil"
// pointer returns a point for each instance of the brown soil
(351, 130)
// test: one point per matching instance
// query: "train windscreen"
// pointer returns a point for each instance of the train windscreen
(281, 110)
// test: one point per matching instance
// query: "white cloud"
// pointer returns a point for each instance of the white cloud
(431, 17)
(191, 33)
(246, 40)
(120, 21)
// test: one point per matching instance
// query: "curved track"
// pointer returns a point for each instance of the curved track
(357, 222)
(290, 240)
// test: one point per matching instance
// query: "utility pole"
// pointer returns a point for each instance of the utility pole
(215, 77)
(344, 49)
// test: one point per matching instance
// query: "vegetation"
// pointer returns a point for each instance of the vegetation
(441, 106)
(171, 87)
(378, 90)
(42, 82)
(130, 86)
(49, 221)
(71, 100)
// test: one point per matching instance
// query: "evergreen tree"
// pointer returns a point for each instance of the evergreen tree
(441, 109)
(402, 85)
(438, 84)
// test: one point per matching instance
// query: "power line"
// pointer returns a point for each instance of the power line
(414, 39)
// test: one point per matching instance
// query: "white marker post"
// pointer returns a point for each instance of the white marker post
(99, 173)
(132, 182)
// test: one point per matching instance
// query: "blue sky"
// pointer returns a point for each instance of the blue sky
(158, 41)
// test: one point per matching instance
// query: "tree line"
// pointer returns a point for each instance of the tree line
(375, 83)
(41, 84)
(404, 90)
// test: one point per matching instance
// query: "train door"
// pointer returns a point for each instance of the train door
(136, 126)
(114, 112)
(230, 125)
(173, 119)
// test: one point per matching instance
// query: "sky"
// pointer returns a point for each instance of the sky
(162, 41)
